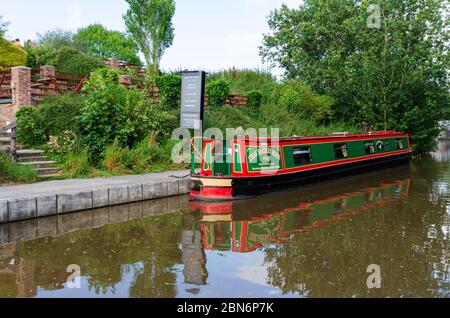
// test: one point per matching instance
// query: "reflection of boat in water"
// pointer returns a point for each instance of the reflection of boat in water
(244, 226)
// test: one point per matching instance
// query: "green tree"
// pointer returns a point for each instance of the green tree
(11, 55)
(149, 22)
(98, 41)
(3, 27)
(57, 39)
(380, 76)
(72, 60)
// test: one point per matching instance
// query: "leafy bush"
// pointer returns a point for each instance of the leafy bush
(40, 55)
(302, 102)
(218, 91)
(113, 112)
(11, 55)
(62, 144)
(245, 80)
(58, 113)
(170, 89)
(10, 171)
(55, 116)
(254, 98)
(30, 131)
(72, 60)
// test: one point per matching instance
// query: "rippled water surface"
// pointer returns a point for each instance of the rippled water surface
(313, 242)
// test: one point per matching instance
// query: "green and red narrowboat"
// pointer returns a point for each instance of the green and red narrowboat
(245, 167)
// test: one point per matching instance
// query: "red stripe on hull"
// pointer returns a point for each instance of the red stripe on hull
(206, 193)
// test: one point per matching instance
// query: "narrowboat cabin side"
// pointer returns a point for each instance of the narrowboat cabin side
(246, 167)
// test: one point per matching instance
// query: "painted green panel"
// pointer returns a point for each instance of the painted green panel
(223, 167)
(325, 152)
(263, 158)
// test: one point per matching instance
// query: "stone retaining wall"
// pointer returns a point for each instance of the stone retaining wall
(37, 206)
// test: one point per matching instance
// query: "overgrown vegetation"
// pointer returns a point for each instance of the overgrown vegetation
(291, 106)
(11, 172)
(170, 90)
(394, 76)
(217, 91)
(107, 130)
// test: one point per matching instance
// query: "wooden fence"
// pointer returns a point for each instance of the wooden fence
(5, 87)
(53, 82)
(57, 83)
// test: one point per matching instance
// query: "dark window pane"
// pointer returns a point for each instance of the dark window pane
(341, 151)
(302, 155)
(369, 148)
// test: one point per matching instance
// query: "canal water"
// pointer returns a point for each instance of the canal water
(343, 238)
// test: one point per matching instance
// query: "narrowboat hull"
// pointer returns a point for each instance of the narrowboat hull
(216, 188)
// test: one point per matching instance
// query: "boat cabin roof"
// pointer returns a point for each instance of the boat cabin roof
(375, 134)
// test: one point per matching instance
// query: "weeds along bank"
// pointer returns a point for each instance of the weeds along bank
(113, 130)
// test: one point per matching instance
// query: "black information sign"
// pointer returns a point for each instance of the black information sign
(192, 100)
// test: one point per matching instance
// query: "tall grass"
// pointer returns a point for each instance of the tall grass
(139, 159)
(11, 172)
(77, 165)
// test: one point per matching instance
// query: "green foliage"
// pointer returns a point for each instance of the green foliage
(230, 117)
(245, 80)
(300, 101)
(170, 90)
(379, 77)
(72, 60)
(115, 113)
(11, 172)
(76, 164)
(3, 27)
(136, 160)
(10, 55)
(58, 113)
(100, 42)
(30, 131)
(254, 98)
(55, 116)
(43, 54)
(149, 22)
(218, 91)
(57, 39)
(421, 122)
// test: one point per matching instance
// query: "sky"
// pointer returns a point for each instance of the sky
(209, 34)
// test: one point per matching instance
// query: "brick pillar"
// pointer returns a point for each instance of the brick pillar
(47, 71)
(125, 80)
(113, 63)
(21, 86)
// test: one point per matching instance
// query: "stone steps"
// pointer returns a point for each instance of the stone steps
(48, 171)
(39, 164)
(30, 157)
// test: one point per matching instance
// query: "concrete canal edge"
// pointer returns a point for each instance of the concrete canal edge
(26, 202)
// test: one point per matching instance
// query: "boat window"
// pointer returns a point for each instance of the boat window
(387, 147)
(399, 144)
(341, 151)
(302, 155)
(369, 148)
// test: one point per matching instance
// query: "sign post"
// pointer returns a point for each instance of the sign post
(192, 100)
(193, 106)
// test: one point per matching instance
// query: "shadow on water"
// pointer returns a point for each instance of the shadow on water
(315, 241)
